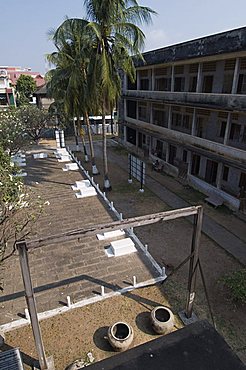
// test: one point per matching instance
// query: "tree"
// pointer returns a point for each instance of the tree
(116, 38)
(18, 209)
(69, 80)
(34, 121)
(25, 87)
(12, 136)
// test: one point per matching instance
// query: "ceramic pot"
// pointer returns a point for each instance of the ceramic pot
(162, 320)
(120, 336)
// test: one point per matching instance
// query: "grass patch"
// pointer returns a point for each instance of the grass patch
(236, 283)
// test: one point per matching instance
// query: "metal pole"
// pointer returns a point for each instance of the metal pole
(142, 166)
(31, 304)
(197, 228)
(130, 167)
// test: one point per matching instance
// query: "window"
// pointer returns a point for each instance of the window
(227, 84)
(131, 108)
(177, 119)
(143, 113)
(211, 172)
(185, 153)
(244, 135)
(131, 135)
(3, 99)
(159, 118)
(242, 181)
(144, 84)
(222, 129)
(225, 173)
(131, 85)
(179, 83)
(192, 83)
(241, 86)
(172, 153)
(207, 84)
(235, 132)
(195, 167)
(163, 84)
(186, 121)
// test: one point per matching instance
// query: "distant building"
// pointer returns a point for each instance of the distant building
(188, 110)
(15, 72)
(10, 77)
(42, 101)
(7, 95)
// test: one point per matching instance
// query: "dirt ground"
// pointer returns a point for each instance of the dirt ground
(72, 335)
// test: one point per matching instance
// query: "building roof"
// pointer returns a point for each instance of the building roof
(197, 346)
(14, 75)
(220, 43)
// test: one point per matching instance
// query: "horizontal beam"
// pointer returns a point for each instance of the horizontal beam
(111, 226)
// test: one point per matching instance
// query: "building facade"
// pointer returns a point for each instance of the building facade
(7, 96)
(187, 109)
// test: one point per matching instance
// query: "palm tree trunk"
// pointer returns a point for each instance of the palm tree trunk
(93, 162)
(75, 135)
(82, 138)
(107, 185)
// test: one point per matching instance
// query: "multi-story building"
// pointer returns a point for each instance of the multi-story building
(9, 76)
(187, 109)
(7, 96)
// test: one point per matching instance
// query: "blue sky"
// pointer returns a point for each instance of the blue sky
(24, 24)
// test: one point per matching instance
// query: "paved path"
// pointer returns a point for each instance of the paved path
(218, 233)
(77, 268)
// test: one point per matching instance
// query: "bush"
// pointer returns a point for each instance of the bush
(236, 282)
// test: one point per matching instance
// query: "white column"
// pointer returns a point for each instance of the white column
(138, 80)
(124, 134)
(219, 175)
(199, 78)
(169, 123)
(172, 79)
(151, 113)
(189, 160)
(167, 152)
(125, 110)
(193, 127)
(153, 79)
(235, 77)
(227, 130)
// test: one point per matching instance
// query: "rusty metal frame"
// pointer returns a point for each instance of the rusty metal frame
(24, 246)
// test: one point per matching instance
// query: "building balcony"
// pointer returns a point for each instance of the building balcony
(228, 155)
(227, 102)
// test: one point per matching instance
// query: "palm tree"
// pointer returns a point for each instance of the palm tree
(69, 78)
(116, 37)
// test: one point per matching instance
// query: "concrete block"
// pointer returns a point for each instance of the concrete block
(71, 167)
(121, 248)
(40, 155)
(86, 192)
(111, 234)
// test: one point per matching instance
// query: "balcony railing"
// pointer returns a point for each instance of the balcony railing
(220, 101)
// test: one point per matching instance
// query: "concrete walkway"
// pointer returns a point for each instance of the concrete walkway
(214, 230)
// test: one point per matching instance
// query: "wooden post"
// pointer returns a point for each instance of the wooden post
(197, 228)
(31, 304)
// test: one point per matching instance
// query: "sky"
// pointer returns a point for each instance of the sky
(24, 25)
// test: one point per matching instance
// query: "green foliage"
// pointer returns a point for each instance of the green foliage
(18, 209)
(236, 282)
(34, 121)
(10, 186)
(12, 137)
(25, 87)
